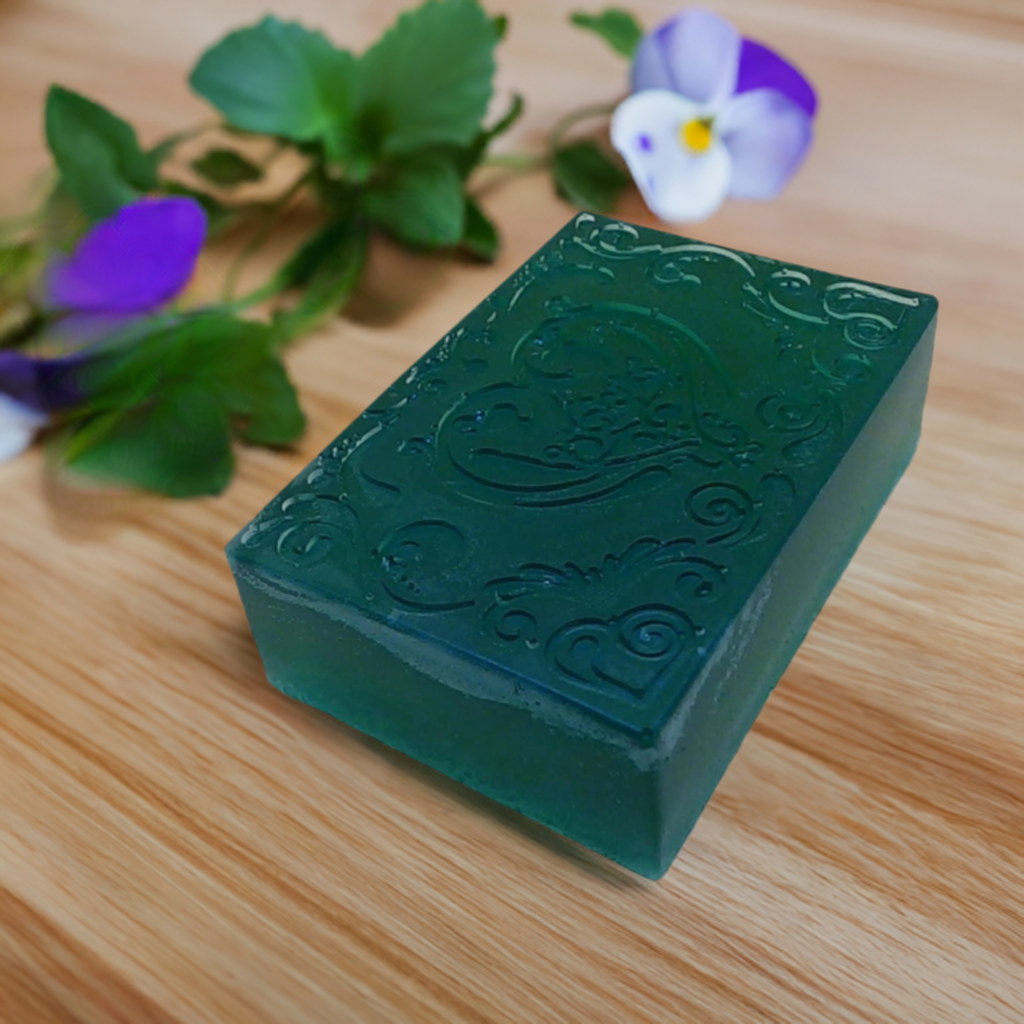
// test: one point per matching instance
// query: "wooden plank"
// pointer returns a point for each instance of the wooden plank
(180, 843)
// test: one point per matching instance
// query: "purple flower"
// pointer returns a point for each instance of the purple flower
(711, 115)
(30, 389)
(127, 266)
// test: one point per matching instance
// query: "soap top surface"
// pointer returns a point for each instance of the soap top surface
(582, 484)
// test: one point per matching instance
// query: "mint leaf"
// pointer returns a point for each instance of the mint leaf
(480, 236)
(226, 168)
(427, 82)
(420, 202)
(618, 28)
(98, 155)
(316, 252)
(238, 361)
(163, 404)
(277, 78)
(587, 177)
(265, 406)
(328, 266)
(177, 444)
(242, 365)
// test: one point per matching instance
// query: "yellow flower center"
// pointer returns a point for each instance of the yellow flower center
(696, 135)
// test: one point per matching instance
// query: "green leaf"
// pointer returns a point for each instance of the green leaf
(328, 266)
(265, 406)
(587, 177)
(480, 237)
(242, 365)
(420, 202)
(164, 403)
(427, 82)
(277, 78)
(226, 168)
(501, 25)
(238, 360)
(177, 444)
(618, 28)
(98, 155)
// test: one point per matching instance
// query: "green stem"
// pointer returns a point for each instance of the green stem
(267, 290)
(535, 161)
(273, 215)
(563, 125)
(516, 161)
(80, 440)
(327, 293)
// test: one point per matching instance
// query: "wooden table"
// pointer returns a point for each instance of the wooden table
(180, 843)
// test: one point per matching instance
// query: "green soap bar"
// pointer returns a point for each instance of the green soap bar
(565, 558)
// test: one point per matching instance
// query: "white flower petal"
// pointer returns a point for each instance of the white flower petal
(677, 184)
(696, 54)
(767, 136)
(18, 425)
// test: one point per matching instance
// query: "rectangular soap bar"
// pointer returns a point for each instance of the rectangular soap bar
(565, 558)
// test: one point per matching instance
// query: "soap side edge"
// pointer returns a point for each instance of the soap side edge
(409, 704)
(900, 410)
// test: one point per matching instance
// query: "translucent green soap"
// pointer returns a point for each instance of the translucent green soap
(565, 558)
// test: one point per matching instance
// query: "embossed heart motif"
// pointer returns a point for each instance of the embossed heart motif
(631, 651)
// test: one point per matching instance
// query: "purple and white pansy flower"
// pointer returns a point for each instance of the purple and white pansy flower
(711, 115)
(126, 267)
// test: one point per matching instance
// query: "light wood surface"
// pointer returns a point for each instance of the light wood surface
(181, 844)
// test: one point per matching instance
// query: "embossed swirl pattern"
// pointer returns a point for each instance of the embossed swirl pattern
(592, 404)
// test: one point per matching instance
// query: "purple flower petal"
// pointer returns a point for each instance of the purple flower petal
(133, 262)
(695, 54)
(762, 68)
(767, 136)
(76, 330)
(18, 379)
(40, 385)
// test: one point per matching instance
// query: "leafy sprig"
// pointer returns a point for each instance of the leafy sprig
(389, 137)
(387, 141)
(102, 166)
(618, 28)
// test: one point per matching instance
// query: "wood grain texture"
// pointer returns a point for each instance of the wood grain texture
(181, 844)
